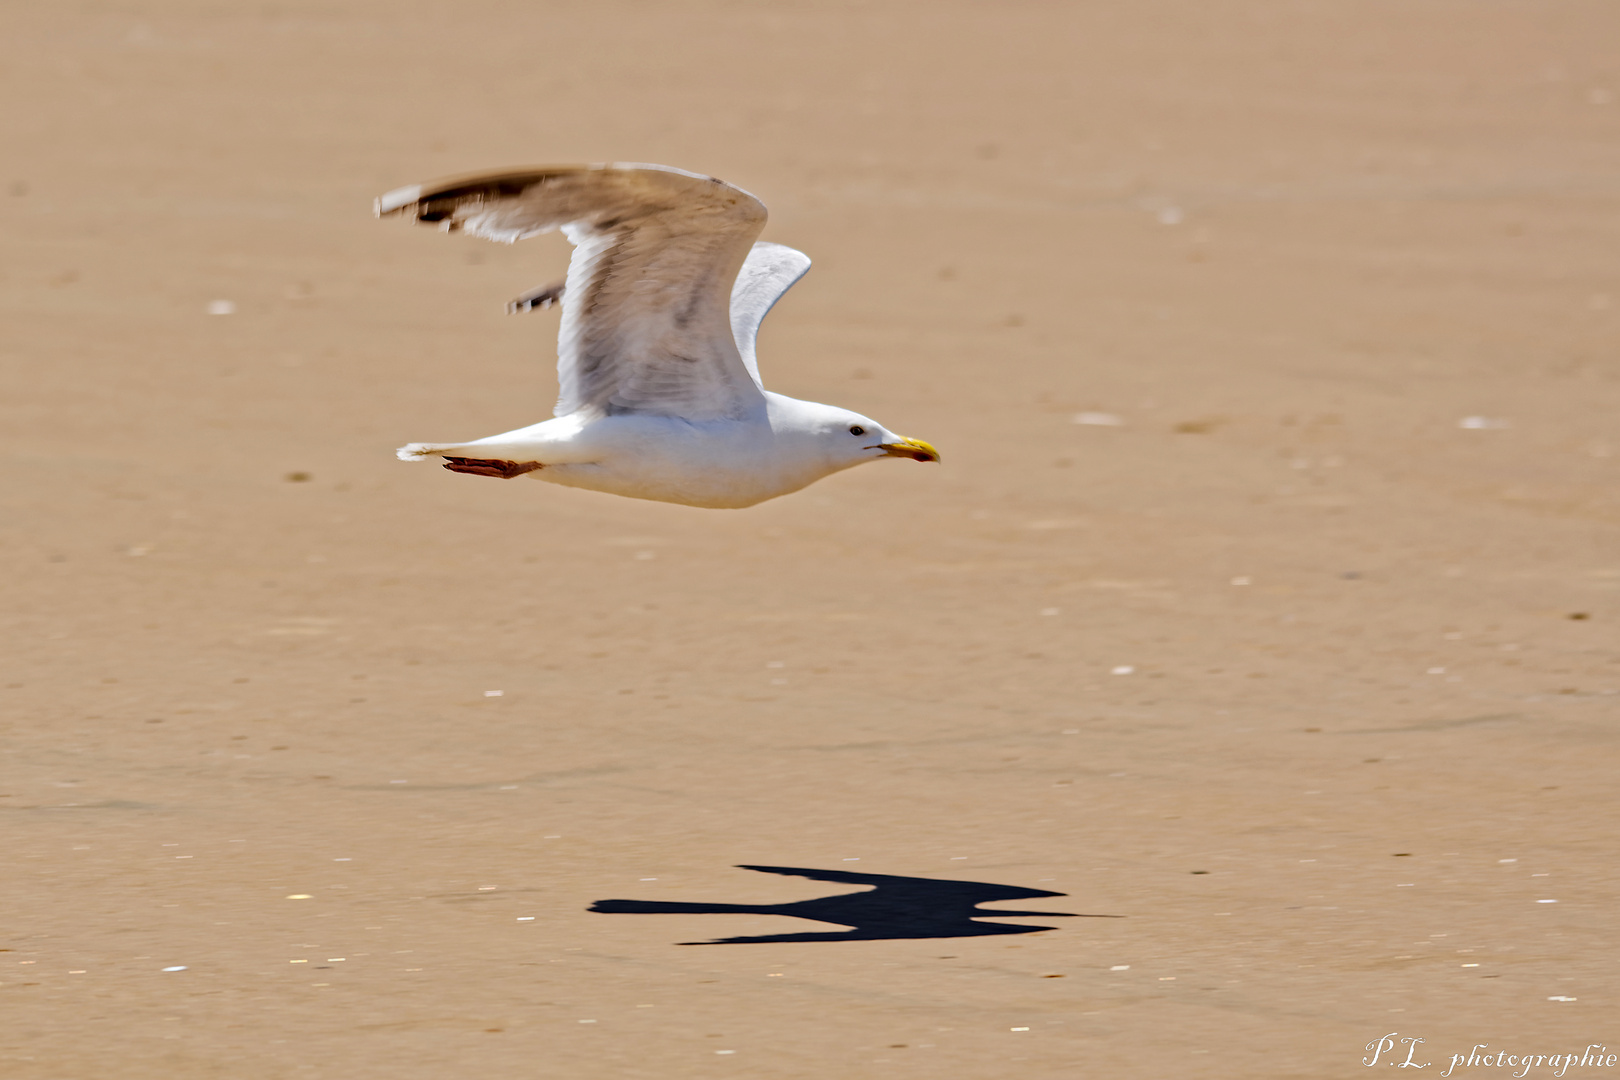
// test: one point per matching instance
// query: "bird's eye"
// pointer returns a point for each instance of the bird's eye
(857, 430)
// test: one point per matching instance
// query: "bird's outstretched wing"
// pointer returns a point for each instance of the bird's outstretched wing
(770, 271)
(646, 324)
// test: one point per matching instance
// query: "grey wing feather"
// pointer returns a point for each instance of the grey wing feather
(541, 298)
(646, 323)
(770, 271)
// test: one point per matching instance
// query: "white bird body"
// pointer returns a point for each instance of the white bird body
(720, 464)
(660, 390)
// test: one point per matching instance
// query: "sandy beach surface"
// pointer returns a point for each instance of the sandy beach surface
(1266, 596)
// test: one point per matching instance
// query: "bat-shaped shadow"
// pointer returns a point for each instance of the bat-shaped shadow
(896, 907)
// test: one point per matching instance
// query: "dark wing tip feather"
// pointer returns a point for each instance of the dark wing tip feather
(437, 200)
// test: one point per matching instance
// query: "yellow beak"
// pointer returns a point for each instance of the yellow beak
(915, 449)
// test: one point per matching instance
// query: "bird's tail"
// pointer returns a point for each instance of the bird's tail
(416, 451)
(524, 444)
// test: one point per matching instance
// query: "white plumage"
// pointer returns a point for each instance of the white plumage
(660, 390)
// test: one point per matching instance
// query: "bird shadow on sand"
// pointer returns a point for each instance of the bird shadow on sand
(895, 907)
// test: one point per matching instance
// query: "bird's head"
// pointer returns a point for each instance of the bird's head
(851, 438)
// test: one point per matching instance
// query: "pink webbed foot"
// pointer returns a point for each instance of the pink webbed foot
(491, 466)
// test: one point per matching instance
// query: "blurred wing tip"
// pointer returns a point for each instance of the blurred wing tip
(397, 200)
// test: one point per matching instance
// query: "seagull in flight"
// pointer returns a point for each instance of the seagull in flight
(660, 390)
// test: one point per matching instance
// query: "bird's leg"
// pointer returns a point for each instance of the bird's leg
(491, 466)
(537, 298)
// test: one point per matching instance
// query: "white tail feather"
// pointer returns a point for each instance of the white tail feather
(416, 451)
